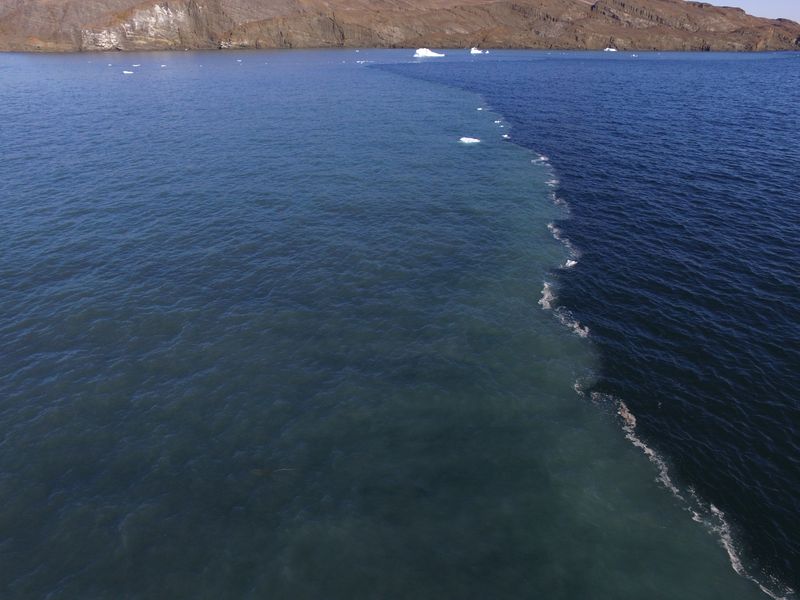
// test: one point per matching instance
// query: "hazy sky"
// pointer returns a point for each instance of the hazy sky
(789, 9)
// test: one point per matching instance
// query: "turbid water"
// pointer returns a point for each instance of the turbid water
(271, 330)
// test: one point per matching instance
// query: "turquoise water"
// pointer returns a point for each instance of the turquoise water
(270, 330)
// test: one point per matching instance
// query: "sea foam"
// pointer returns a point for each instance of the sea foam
(706, 514)
(548, 296)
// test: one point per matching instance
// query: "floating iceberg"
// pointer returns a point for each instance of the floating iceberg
(476, 51)
(426, 53)
(469, 140)
(127, 72)
(610, 50)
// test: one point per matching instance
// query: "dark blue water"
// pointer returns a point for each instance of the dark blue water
(683, 176)
(269, 329)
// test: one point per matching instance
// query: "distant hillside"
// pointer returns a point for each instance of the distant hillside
(71, 25)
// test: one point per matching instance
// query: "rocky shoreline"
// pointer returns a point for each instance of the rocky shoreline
(75, 25)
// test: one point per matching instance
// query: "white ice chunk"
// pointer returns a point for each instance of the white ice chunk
(469, 140)
(426, 53)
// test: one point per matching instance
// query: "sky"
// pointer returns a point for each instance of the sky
(789, 9)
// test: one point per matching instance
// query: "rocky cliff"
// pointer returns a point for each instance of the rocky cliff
(84, 25)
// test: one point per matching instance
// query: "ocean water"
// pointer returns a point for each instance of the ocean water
(682, 173)
(270, 329)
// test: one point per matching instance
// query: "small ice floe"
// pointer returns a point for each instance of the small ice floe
(506, 136)
(609, 49)
(357, 51)
(634, 56)
(127, 72)
(476, 51)
(238, 60)
(469, 140)
(497, 122)
(570, 263)
(479, 108)
(110, 65)
(426, 53)
(163, 66)
(136, 65)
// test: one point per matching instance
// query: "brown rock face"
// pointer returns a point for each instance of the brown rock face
(82, 25)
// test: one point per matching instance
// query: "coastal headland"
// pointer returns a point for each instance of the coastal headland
(77, 25)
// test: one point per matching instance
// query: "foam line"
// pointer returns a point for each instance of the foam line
(708, 515)
(548, 296)
(566, 318)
